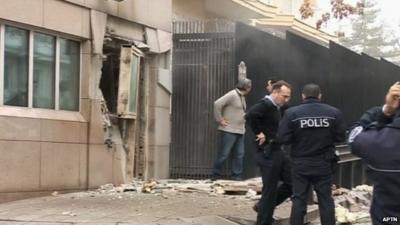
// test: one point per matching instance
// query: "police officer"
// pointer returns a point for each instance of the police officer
(377, 141)
(311, 129)
(263, 119)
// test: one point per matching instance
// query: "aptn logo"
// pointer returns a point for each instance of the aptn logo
(390, 219)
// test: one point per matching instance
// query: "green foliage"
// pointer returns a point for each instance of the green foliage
(370, 36)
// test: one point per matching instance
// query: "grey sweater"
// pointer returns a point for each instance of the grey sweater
(231, 107)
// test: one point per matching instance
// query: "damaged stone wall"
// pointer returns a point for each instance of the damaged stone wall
(119, 132)
(105, 158)
(141, 127)
(75, 150)
(140, 141)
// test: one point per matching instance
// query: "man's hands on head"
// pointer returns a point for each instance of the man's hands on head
(392, 100)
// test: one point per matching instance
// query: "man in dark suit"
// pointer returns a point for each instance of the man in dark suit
(263, 119)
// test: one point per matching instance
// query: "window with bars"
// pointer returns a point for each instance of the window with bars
(38, 70)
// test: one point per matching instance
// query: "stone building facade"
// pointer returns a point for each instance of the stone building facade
(68, 121)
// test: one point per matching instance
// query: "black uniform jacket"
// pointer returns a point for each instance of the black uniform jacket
(263, 117)
(311, 128)
(379, 146)
(374, 115)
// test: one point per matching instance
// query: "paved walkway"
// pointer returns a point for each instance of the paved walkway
(115, 206)
(173, 208)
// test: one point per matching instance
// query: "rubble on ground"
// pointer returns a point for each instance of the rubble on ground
(248, 189)
(352, 206)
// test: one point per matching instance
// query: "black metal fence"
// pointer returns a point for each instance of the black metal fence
(204, 68)
(349, 81)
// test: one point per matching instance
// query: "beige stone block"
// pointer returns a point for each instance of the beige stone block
(28, 12)
(86, 47)
(96, 64)
(163, 98)
(85, 108)
(150, 163)
(154, 64)
(100, 165)
(83, 166)
(161, 162)
(36, 113)
(152, 84)
(78, 22)
(109, 7)
(83, 129)
(143, 11)
(85, 76)
(86, 32)
(61, 131)
(78, 2)
(163, 10)
(19, 166)
(164, 79)
(125, 28)
(134, 10)
(162, 127)
(19, 128)
(60, 165)
(119, 166)
(98, 22)
(86, 69)
(96, 132)
(189, 10)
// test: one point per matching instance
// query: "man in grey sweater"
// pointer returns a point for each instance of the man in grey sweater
(229, 111)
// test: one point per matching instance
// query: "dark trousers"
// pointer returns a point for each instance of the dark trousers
(273, 169)
(321, 179)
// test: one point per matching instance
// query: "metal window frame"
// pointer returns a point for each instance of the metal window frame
(32, 31)
(80, 75)
(2, 28)
(57, 78)
(124, 87)
(136, 52)
(56, 64)
(2, 63)
(30, 69)
(58, 51)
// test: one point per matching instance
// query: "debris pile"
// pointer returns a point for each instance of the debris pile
(248, 189)
(352, 206)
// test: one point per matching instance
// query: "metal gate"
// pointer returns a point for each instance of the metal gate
(205, 56)
(203, 70)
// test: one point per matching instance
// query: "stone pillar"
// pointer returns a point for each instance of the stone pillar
(159, 129)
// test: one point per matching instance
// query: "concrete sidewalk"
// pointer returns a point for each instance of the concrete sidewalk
(130, 206)
(127, 208)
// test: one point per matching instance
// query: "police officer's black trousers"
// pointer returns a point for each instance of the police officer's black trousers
(273, 169)
(301, 186)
